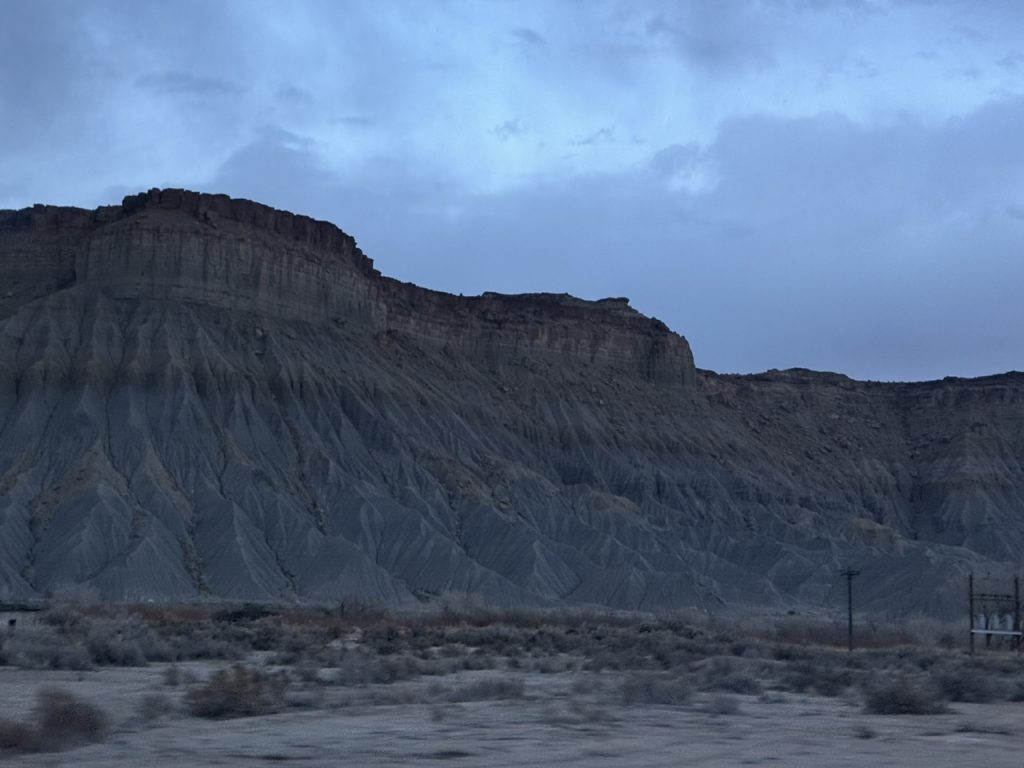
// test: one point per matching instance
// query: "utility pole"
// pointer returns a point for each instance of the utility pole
(970, 606)
(1016, 612)
(849, 573)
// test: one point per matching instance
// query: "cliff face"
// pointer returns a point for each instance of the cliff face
(211, 250)
(202, 396)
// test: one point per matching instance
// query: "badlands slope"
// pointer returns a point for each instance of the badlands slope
(205, 398)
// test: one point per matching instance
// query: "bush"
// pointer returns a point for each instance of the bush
(61, 720)
(724, 673)
(237, 692)
(963, 684)
(819, 675)
(495, 688)
(154, 706)
(654, 688)
(43, 647)
(64, 720)
(722, 704)
(124, 641)
(15, 736)
(172, 675)
(903, 696)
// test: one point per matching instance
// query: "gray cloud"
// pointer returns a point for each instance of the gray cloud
(1012, 61)
(874, 231)
(676, 159)
(599, 136)
(184, 83)
(294, 96)
(354, 121)
(881, 252)
(509, 129)
(46, 74)
(530, 37)
(716, 37)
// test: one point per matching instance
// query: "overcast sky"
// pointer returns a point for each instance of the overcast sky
(833, 185)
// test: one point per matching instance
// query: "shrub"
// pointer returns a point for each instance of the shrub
(125, 641)
(1016, 691)
(64, 720)
(15, 736)
(724, 673)
(722, 704)
(819, 675)
(237, 692)
(43, 647)
(903, 696)
(172, 675)
(495, 688)
(154, 706)
(965, 684)
(61, 720)
(64, 619)
(654, 688)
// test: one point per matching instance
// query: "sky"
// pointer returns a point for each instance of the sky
(787, 183)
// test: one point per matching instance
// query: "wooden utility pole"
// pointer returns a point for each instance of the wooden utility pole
(1016, 613)
(849, 573)
(970, 606)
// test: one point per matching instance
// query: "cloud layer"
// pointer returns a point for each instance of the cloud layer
(831, 185)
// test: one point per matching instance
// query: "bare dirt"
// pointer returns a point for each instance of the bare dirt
(572, 719)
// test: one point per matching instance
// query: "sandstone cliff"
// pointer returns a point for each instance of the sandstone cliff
(203, 397)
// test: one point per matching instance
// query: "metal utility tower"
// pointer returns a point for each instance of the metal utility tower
(995, 610)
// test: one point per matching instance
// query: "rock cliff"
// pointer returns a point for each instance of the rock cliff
(203, 397)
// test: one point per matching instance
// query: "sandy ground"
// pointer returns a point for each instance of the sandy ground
(554, 724)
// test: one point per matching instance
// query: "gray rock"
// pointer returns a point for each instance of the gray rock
(205, 398)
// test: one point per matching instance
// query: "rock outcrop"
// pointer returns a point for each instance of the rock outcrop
(206, 398)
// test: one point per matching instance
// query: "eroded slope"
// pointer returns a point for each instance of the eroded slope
(204, 397)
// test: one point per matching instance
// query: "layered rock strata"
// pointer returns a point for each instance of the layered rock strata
(205, 398)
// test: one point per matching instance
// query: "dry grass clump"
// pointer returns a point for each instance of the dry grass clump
(968, 683)
(491, 689)
(654, 688)
(66, 637)
(903, 695)
(359, 666)
(825, 675)
(65, 720)
(16, 736)
(722, 704)
(60, 720)
(238, 691)
(43, 647)
(124, 641)
(729, 674)
(155, 706)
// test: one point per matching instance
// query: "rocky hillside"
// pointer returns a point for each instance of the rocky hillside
(203, 397)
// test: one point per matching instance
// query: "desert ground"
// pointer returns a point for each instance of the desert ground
(189, 688)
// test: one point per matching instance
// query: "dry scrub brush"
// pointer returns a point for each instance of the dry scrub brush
(238, 691)
(60, 720)
(654, 688)
(903, 695)
(321, 647)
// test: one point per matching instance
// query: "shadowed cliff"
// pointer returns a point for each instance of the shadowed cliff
(204, 397)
